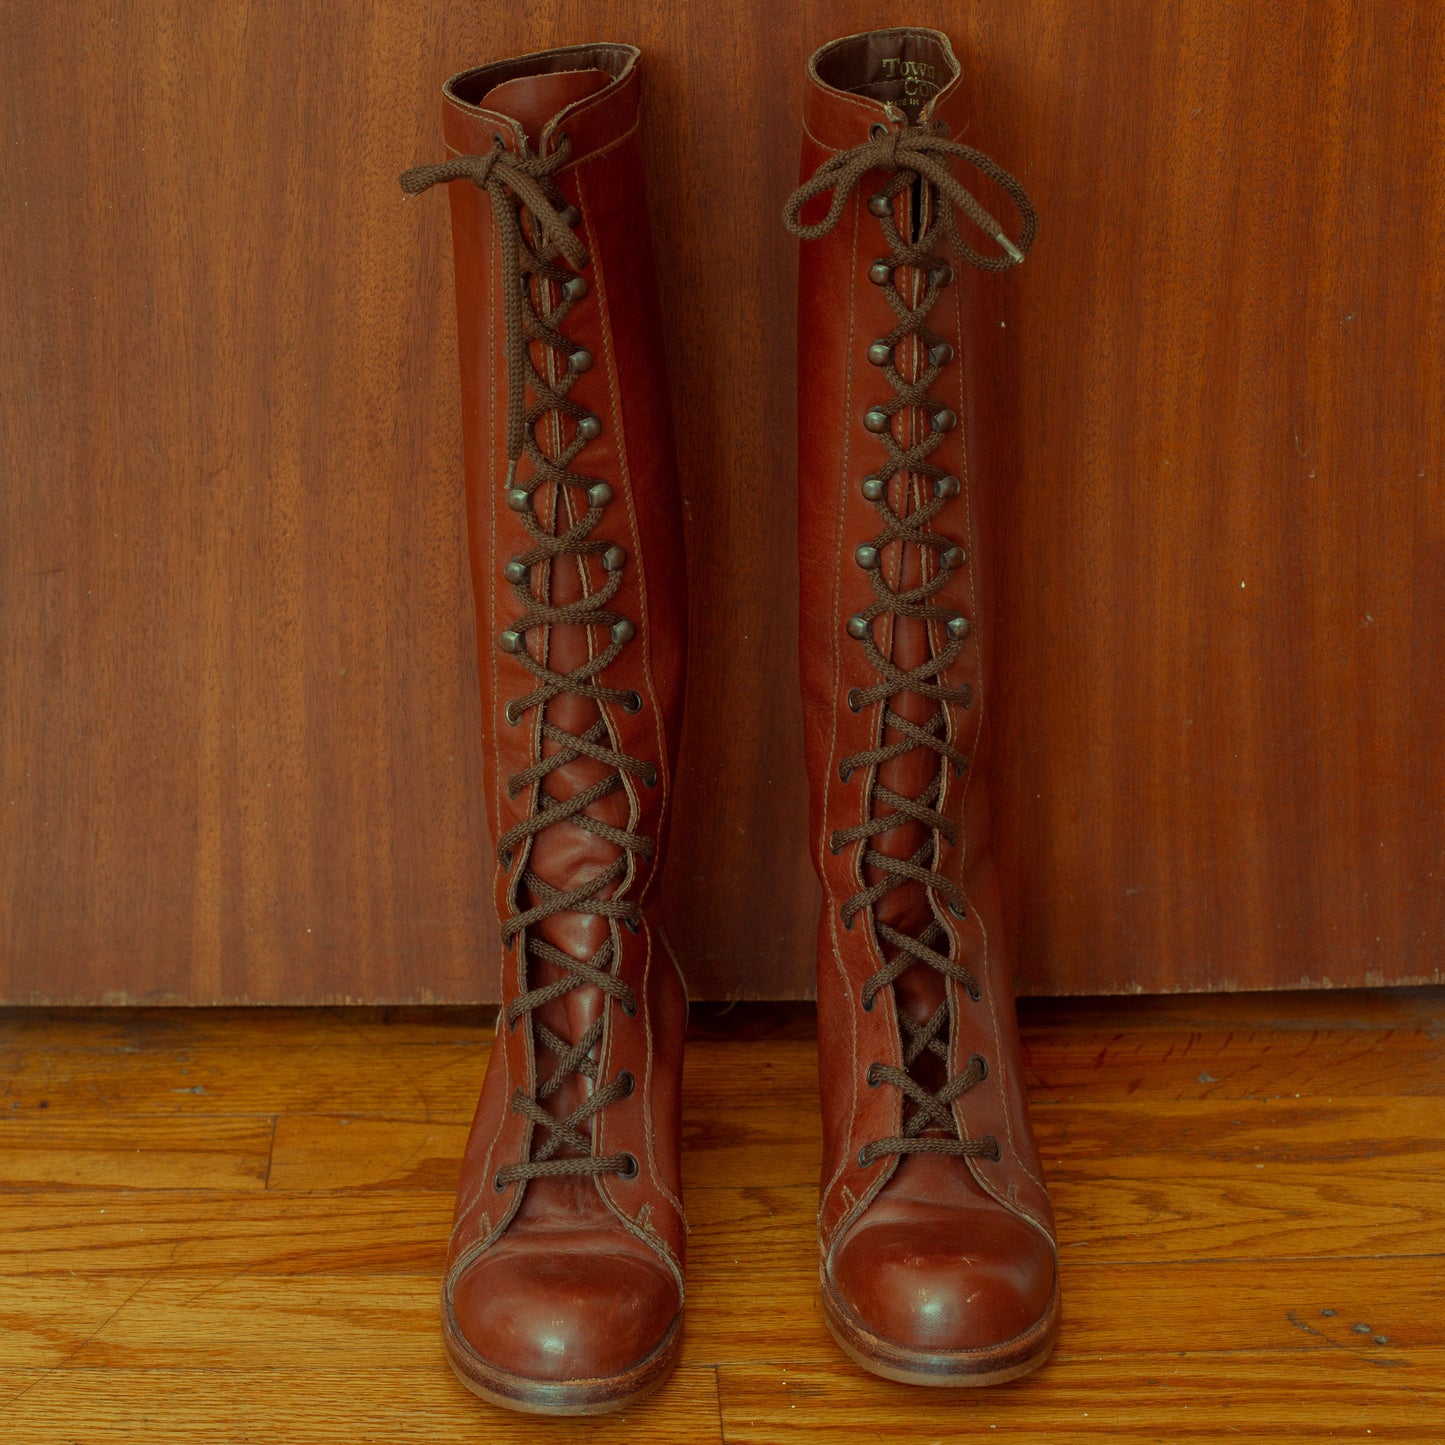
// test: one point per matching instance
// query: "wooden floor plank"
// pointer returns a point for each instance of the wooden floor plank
(1233, 1063)
(237, 1320)
(1116, 1397)
(91, 1233)
(128, 1152)
(733, 1142)
(361, 1070)
(335, 1074)
(735, 1242)
(411, 1403)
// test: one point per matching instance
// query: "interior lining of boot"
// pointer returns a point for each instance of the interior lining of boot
(906, 68)
(612, 60)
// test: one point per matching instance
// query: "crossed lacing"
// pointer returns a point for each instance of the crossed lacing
(913, 155)
(535, 225)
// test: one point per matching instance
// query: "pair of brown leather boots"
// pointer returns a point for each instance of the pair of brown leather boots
(564, 1280)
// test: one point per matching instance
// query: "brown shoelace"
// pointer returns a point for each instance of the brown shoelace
(913, 156)
(535, 225)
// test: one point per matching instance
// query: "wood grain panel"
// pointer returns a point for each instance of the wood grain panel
(238, 725)
(1222, 614)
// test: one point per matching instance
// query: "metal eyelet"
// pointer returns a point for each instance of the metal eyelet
(845, 773)
(957, 909)
(997, 1152)
(625, 1077)
(864, 1157)
(506, 858)
(498, 1183)
(649, 778)
(872, 1076)
(973, 991)
(633, 925)
(512, 713)
(629, 1007)
(632, 703)
(629, 1170)
(982, 1066)
(855, 699)
(835, 847)
(877, 130)
(868, 1002)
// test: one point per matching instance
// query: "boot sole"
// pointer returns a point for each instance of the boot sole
(957, 1369)
(597, 1396)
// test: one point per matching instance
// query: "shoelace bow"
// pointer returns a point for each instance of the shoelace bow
(535, 226)
(910, 155)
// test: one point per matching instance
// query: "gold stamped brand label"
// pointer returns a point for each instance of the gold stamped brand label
(919, 79)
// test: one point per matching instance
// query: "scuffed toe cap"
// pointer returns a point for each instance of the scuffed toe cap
(540, 1310)
(936, 1279)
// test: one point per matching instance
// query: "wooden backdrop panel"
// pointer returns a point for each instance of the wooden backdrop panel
(238, 721)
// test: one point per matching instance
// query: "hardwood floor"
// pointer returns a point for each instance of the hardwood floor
(229, 1226)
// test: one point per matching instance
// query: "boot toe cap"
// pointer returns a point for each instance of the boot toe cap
(548, 1313)
(944, 1282)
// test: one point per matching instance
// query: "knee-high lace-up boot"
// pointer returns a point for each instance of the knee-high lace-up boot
(563, 1288)
(938, 1257)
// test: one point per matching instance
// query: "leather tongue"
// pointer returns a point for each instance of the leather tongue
(532, 100)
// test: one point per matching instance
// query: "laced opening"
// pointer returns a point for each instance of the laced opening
(536, 232)
(915, 160)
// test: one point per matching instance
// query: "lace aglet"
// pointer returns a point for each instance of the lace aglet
(1014, 253)
(511, 473)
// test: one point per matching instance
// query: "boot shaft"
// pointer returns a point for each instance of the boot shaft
(588, 98)
(895, 435)
(577, 570)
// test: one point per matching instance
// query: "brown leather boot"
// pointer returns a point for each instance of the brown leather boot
(563, 1289)
(938, 1258)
